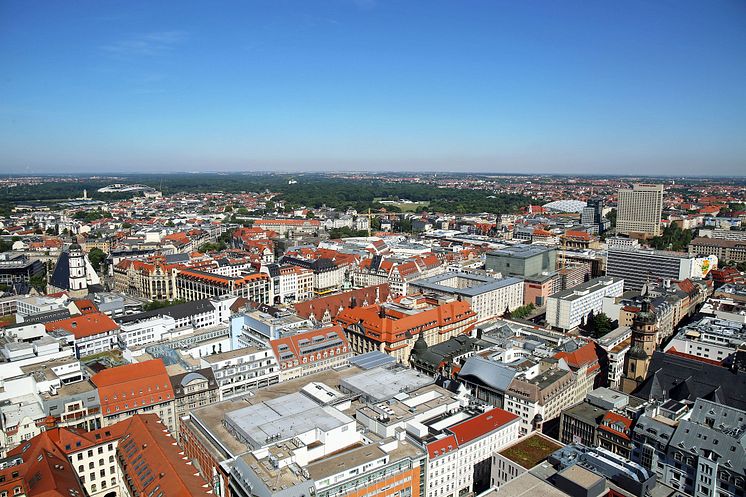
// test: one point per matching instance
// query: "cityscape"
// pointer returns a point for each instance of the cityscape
(372, 248)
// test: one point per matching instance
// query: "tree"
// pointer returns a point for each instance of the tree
(96, 256)
(310, 215)
(611, 216)
(602, 324)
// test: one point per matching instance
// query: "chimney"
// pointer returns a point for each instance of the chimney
(381, 312)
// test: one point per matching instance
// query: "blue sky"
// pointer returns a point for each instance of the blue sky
(630, 86)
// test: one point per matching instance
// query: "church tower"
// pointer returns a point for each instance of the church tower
(644, 339)
(76, 265)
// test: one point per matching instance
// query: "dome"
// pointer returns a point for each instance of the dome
(420, 345)
(75, 246)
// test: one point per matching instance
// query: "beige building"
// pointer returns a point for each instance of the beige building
(639, 210)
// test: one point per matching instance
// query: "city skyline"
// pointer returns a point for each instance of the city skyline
(510, 87)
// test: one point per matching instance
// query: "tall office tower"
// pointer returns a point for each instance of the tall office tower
(639, 210)
(593, 213)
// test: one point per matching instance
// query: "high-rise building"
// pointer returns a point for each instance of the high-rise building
(593, 213)
(639, 210)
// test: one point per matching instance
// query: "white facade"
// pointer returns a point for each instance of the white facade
(241, 371)
(566, 309)
(145, 332)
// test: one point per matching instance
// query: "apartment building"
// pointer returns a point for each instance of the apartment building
(722, 248)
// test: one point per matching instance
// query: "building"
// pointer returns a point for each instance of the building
(194, 389)
(522, 260)
(568, 308)
(289, 227)
(312, 351)
(710, 339)
(328, 276)
(533, 387)
(137, 388)
(241, 371)
(394, 327)
(489, 297)
(639, 267)
(702, 454)
(672, 377)
(517, 458)
(639, 210)
(289, 283)
(613, 351)
(323, 310)
(644, 344)
(308, 442)
(196, 285)
(724, 249)
(132, 457)
(19, 268)
(152, 280)
(73, 273)
(94, 332)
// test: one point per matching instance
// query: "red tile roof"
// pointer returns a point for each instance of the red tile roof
(481, 425)
(133, 386)
(85, 325)
(333, 303)
(155, 463)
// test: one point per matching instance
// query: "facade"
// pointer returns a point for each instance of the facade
(394, 327)
(242, 371)
(312, 351)
(522, 260)
(19, 269)
(194, 389)
(566, 309)
(289, 283)
(724, 249)
(196, 285)
(289, 226)
(489, 297)
(639, 210)
(639, 267)
(152, 280)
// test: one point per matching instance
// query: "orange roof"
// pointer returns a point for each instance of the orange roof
(583, 356)
(285, 346)
(85, 325)
(333, 303)
(395, 325)
(86, 306)
(478, 426)
(133, 386)
(155, 463)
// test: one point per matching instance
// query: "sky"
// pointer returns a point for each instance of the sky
(556, 86)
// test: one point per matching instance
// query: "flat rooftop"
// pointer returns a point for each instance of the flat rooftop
(530, 451)
(469, 285)
(380, 384)
(212, 417)
(521, 251)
